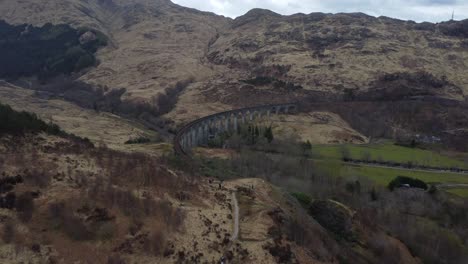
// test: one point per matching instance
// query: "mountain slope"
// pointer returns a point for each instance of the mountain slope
(153, 43)
(343, 51)
(263, 57)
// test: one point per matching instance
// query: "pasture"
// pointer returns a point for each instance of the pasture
(387, 151)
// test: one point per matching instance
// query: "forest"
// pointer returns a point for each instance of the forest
(46, 51)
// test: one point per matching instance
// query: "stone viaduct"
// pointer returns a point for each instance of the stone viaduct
(199, 131)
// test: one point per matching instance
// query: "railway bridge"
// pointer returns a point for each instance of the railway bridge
(199, 131)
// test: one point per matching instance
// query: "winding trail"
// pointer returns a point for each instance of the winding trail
(235, 232)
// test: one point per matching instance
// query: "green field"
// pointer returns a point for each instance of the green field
(327, 160)
(387, 151)
(385, 175)
(463, 192)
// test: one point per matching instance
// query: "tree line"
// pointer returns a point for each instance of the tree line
(20, 123)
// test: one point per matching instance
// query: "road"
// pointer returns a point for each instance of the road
(453, 185)
(403, 168)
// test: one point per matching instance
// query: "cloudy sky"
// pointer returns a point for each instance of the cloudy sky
(417, 10)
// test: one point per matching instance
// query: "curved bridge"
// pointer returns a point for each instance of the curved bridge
(199, 131)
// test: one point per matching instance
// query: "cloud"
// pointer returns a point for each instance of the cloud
(417, 10)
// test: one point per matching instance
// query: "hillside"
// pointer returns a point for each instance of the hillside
(89, 175)
(348, 61)
(76, 198)
(343, 51)
(156, 43)
(153, 43)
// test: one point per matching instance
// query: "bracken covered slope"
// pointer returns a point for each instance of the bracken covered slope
(264, 57)
(157, 42)
(343, 51)
(153, 43)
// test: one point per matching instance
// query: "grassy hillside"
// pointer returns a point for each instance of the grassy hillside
(460, 192)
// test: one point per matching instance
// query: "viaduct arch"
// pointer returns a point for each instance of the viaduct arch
(198, 131)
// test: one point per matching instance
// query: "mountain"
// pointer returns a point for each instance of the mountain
(343, 58)
(343, 51)
(92, 178)
(152, 43)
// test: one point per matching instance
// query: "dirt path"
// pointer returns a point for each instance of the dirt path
(235, 232)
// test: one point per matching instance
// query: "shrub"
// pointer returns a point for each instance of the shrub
(335, 217)
(353, 187)
(433, 189)
(84, 61)
(8, 233)
(25, 206)
(55, 213)
(75, 228)
(8, 201)
(138, 140)
(345, 153)
(155, 243)
(268, 134)
(116, 259)
(41, 179)
(303, 198)
(106, 231)
(403, 180)
(306, 146)
(165, 102)
(63, 218)
(373, 195)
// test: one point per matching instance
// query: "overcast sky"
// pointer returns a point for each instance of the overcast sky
(417, 10)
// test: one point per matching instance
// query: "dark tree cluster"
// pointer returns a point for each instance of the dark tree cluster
(103, 98)
(163, 103)
(406, 181)
(46, 51)
(20, 123)
(8, 182)
(138, 140)
(252, 134)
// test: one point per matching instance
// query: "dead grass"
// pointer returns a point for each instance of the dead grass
(88, 203)
(100, 128)
(315, 127)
